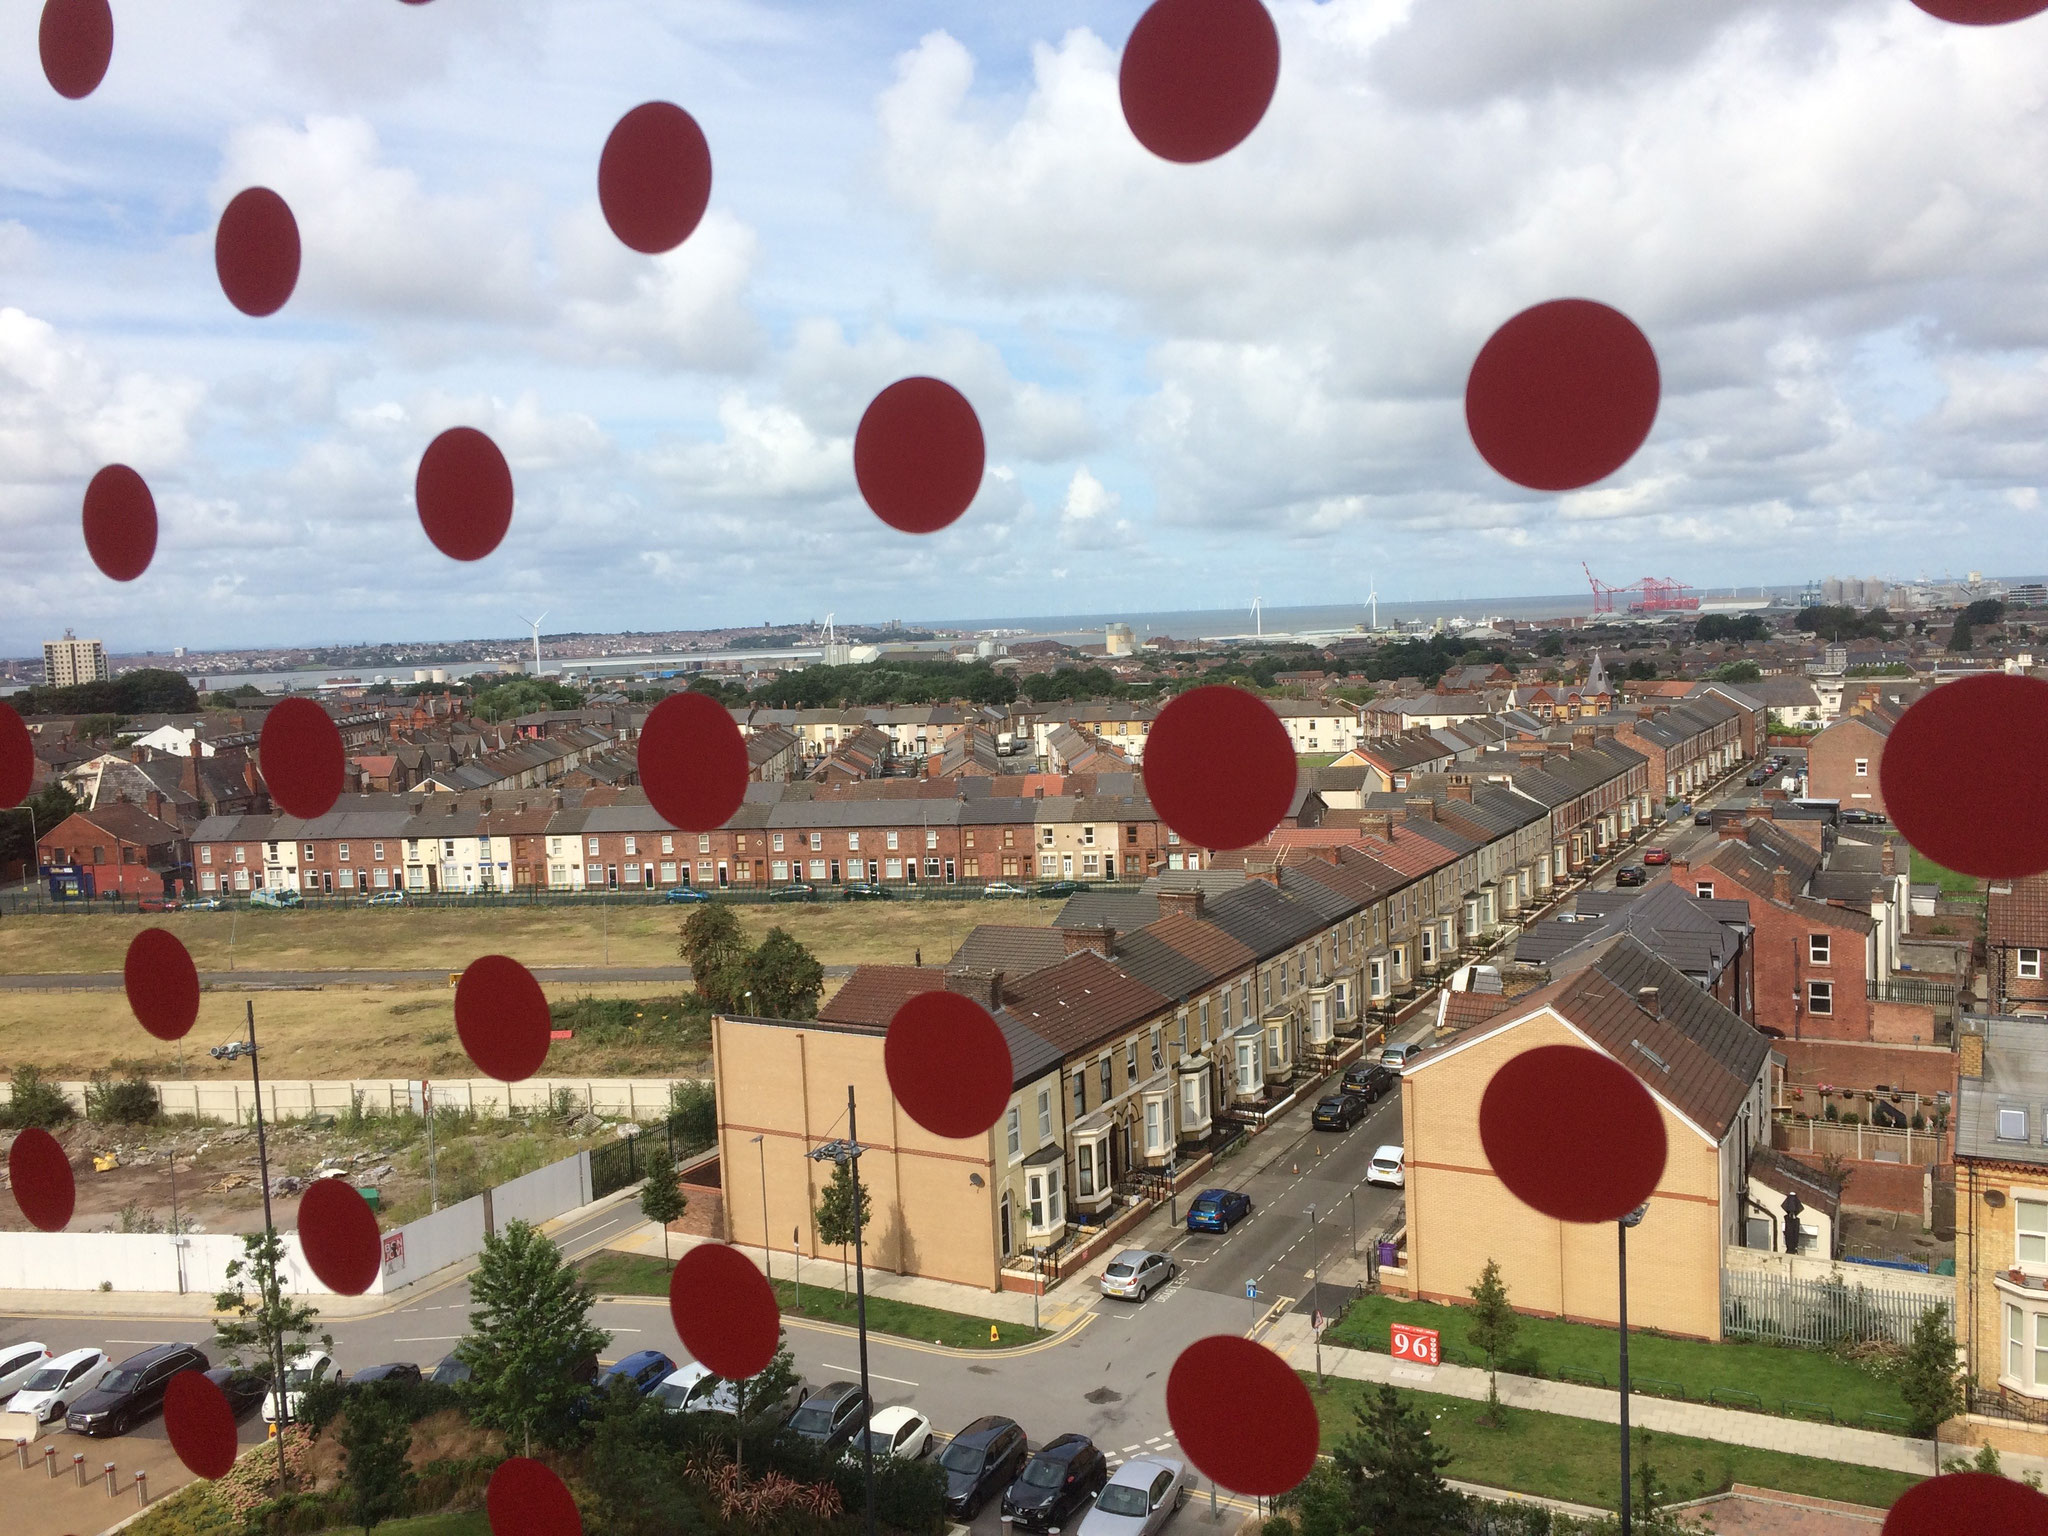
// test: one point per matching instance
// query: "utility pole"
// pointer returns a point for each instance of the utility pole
(1315, 1258)
(1621, 1233)
(273, 1290)
(847, 1154)
(766, 1268)
(433, 1168)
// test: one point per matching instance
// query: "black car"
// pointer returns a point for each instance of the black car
(831, 1415)
(1631, 874)
(865, 890)
(982, 1459)
(1368, 1079)
(450, 1371)
(396, 1373)
(1703, 819)
(133, 1390)
(1056, 1484)
(797, 892)
(1060, 888)
(243, 1389)
(1339, 1111)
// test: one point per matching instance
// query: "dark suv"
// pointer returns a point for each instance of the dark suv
(1368, 1079)
(979, 1461)
(831, 1415)
(1056, 1484)
(1339, 1112)
(133, 1390)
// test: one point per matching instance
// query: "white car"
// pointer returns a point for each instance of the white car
(901, 1432)
(18, 1362)
(299, 1375)
(1395, 1058)
(49, 1392)
(1388, 1166)
(1004, 888)
(1139, 1498)
(680, 1386)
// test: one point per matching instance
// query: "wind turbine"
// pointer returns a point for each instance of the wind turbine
(534, 625)
(1373, 597)
(1258, 619)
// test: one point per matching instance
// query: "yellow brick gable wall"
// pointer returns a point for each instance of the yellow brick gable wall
(1460, 1214)
(1986, 1248)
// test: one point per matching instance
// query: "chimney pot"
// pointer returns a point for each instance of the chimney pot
(1421, 808)
(1378, 824)
(1888, 859)
(1646, 999)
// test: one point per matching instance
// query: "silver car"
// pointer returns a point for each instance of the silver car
(1136, 1273)
(1139, 1498)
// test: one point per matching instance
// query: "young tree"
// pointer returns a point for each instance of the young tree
(756, 1397)
(529, 1329)
(1385, 1477)
(633, 1477)
(376, 1436)
(784, 977)
(267, 1325)
(1928, 1380)
(1962, 638)
(716, 952)
(837, 1220)
(1492, 1327)
(661, 1197)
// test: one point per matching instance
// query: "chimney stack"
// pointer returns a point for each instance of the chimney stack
(1378, 824)
(1781, 886)
(1680, 867)
(1182, 903)
(1646, 999)
(1888, 859)
(1582, 737)
(982, 984)
(1646, 711)
(1098, 937)
(1420, 808)
(1460, 788)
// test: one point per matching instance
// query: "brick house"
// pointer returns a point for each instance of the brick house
(1843, 762)
(2016, 943)
(1688, 745)
(121, 847)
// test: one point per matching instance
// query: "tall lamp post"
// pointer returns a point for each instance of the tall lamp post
(761, 1142)
(1633, 1218)
(273, 1295)
(846, 1154)
(1315, 1259)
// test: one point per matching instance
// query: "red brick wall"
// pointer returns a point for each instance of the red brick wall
(1831, 765)
(1842, 1064)
(1780, 954)
(1902, 1023)
(1879, 1186)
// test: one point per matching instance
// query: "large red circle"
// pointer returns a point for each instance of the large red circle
(200, 1424)
(77, 44)
(338, 1234)
(17, 759)
(1965, 775)
(724, 1311)
(502, 1016)
(654, 177)
(1968, 1501)
(918, 455)
(1242, 1416)
(120, 522)
(301, 757)
(1982, 13)
(1572, 1133)
(948, 1064)
(256, 252)
(526, 1499)
(1219, 767)
(162, 983)
(41, 1175)
(464, 493)
(1562, 395)
(693, 762)
(1197, 75)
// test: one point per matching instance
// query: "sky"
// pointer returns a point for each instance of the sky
(1197, 383)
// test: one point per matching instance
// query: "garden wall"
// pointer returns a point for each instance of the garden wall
(234, 1101)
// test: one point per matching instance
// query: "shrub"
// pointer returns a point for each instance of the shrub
(129, 1101)
(694, 1108)
(37, 1102)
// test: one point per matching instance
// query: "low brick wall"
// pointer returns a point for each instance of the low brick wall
(1900, 1187)
(1924, 1070)
(705, 1216)
(1901, 1023)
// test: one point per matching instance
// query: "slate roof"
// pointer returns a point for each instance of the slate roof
(1121, 910)
(1262, 919)
(2015, 1077)
(1203, 943)
(873, 993)
(1150, 959)
(1082, 1001)
(1013, 949)
(2017, 912)
(1697, 937)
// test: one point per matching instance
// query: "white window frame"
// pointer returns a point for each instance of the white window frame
(1044, 1116)
(703, 842)
(1818, 948)
(1862, 767)
(668, 842)
(1014, 1132)
(1820, 999)
(2027, 965)
(2030, 1230)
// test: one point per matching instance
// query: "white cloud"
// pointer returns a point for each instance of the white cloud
(1088, 514)
(64, 413)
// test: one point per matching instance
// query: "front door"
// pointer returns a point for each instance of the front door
(1009, 1243)
(874, 871)
(611, 877)
(1066, 866)
(327, 882)
(835, 871)
(949, 871)
(724, 874)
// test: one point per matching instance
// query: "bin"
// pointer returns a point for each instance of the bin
(1389, 1254)
(369, 1194)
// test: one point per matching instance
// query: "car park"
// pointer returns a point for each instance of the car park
(449, 1371)
(392, 898)
(831, 1415)
(50, 1391)
(979, 1462)
(308, 1370)
(396, 1373)
(1136, 1273)
(1631, 874)
(1056, 1484)
(18, 1362)
(900, 1431)
(1004, 888)
(677, 895)
(1139, 1498)
(1218, 1210)
(1656, 855)
(693, 1388)
(132, 1390)
(1338, 1111)
(800, 891)
(243, 1389)
(1388, 1166)
(1395, 1058)
(866, 890)
(644, 1370)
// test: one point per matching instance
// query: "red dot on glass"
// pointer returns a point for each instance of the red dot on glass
(1197, 75)
(464, 493)
(1241, 1415)
(256, 252)
(301, 758)
(724, 1311)
(654, 177)
(1562, 395)
(1982, 13)
(1968, 1501)
(162, 983)
(77, 43)
(338, 1234)
(526, 1499)
(693, 762)
(1572, 1133)
(1981, 811)
(41, 1175)
(1219, 767)
(502, 1015)
(200, 1424)
(17, 759)
(120, 522)
(948, 1064)
(918, 455)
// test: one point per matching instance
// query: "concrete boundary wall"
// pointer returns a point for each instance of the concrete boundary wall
(233, 1100)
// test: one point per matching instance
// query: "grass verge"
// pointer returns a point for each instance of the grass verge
(636, 1274)
(1578, 1459)
(1927, 872)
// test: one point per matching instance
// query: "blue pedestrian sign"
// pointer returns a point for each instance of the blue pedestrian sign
(1251, 1290)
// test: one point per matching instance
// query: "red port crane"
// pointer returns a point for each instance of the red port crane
(1650, 595)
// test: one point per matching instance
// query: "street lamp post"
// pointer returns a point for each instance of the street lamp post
(761, 1142)
(274, 1291)
(1315, 1259)
(1633, 1218)
(847, 1154)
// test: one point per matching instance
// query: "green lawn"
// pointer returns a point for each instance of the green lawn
(474, 1523)
(1582, 1352)
(1927, 872)
(633, 1274)
(1579, 1459)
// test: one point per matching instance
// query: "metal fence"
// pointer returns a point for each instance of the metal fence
(1817, 1313)
(620, 1163)
(1913, 989)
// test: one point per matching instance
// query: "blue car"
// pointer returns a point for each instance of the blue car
(1218, 1210)
(680, 893)
(646, 1369)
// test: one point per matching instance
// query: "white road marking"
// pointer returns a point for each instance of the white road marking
(139, 1341)
(854, 1370)
(1130, 1448)
(431, 1338)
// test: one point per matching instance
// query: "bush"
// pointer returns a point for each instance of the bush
(128, 1101)
(694, 1108)
(37, 1102)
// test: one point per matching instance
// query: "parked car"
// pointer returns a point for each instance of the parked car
(646, 1369)
(395, 1373)
(270, 898)
(231, 1050)
(1338, 1111)
(674, 1391)
(1655, 856)
(1218, 1210)
(1703, 818)
(677, 895)
(1386, 1166)
(865, 890)
(1004, 888)
(1061, 888)
(308, 1370)
(18, 1362)
(449, 1371)
(132, 1390)
(155, 904)
(980, 1461)
(1138, 1499)
(1395, 1058)
(799, 891)
(1861, 818)
(1056, 1484)
(1369, 1079)
(243, 1389)
(1757, 776)
(692, 1388)
(1136, 1273)
(1631, 874)
(831, 1415)
(49, 1392)
(391, 898)
(901, 1432)
(205, 904)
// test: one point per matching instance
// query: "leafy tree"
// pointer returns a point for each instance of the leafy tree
(716, 952)
(1641, 670)
(1737, 672)
(1928, 1377)
(1838, 621)
(693, 1106)
(123, 1101)
(835, 1214)
(523, 696)
(147, 691)
(1385, 1477)
(661, 1198)
(529, 1329)
(93, 727)
(1739, 629)
(1552, 644)
(634, 1479)
(1961, 638)
(261, 1325)
(1493, 1326)
(376, 1435)
(784, 977)
(758, 1395)
(1986, 610)
(36, 1102)
(37, 816)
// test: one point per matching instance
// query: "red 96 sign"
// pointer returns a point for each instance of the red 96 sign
(1416, 1344)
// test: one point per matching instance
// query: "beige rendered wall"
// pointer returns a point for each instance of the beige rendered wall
(1460, 1214)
